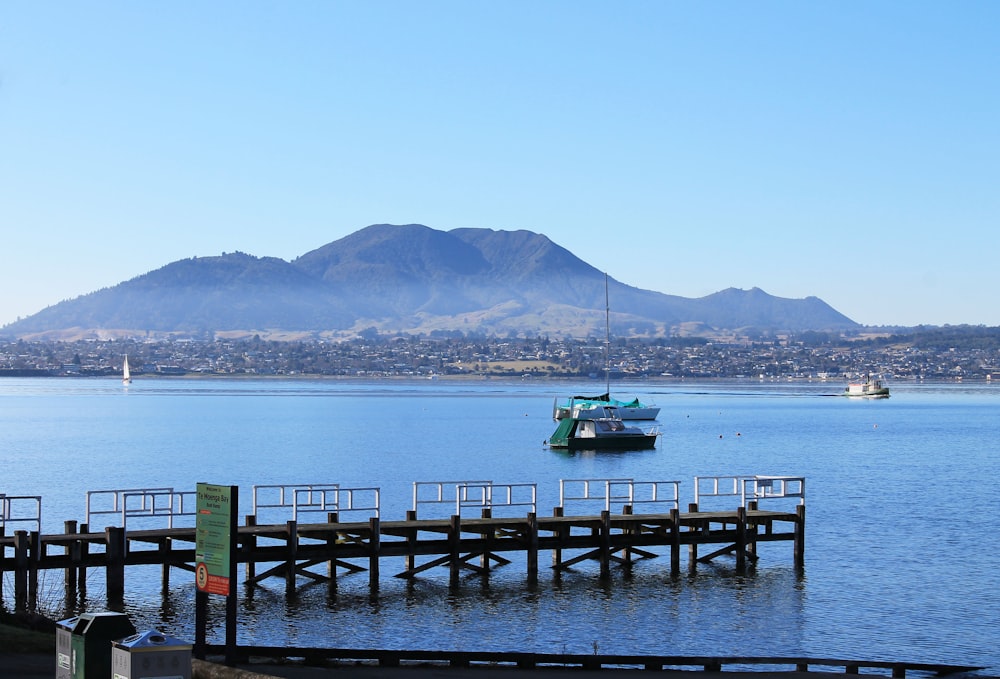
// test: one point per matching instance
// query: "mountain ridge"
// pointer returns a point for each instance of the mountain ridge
(411, 279)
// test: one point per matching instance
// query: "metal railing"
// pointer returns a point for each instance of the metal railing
(10, 504)
(775, 488)
(313, 498)
(339, 500)
(283, 496)
(626, 491)
(432, 493)
(594, 490)
(718, 486)
(168, 504)
(749, 488)
(494, 496)
(656, 493)
(122, 503)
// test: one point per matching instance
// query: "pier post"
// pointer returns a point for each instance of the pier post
(532, 547)
(411, 542)
(69, 527)
(484, 558)
(454, 547)
(250, 545)
(741, 539)
(165, 546)
(84, 550)
(20, 571)
(627, 511)
(375, 545)
(557, 552)
(752, 533)
(799, 543)
(115, 550)
(35, 554)
(605, 543)
(675, 541)
(292, 549)
(332, 518)
(693, 546)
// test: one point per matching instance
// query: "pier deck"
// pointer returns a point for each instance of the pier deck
(290, 550)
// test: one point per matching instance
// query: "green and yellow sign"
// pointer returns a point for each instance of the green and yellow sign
(215, 526)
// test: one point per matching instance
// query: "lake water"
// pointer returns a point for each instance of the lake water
(902, 545)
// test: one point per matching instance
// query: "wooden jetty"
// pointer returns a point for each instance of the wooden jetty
(293, 549)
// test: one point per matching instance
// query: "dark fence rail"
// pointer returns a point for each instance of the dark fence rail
(397, 658)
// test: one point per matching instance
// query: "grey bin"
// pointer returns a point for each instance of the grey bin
(150, 654)
(91, 635)
(65, 629)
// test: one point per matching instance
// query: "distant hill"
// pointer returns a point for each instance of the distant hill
(410, 279)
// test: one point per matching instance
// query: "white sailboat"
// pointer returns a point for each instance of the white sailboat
(126, 375)
(593, 407)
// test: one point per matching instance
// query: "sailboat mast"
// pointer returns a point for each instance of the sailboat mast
(607, 338)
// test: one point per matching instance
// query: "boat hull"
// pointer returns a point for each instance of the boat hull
(870, 388)
(608, 433)
(643, 442)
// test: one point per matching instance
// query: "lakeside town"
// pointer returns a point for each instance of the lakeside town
(963, 354)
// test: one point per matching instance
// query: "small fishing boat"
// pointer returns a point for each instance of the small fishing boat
(126, 374)
(608, 432)
(868, 388)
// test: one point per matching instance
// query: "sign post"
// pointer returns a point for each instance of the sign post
(215, 560)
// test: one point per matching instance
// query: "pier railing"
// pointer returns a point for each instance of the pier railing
(626, 491)
(774, 488)
(366, 501)
(496, 496)
(749, 488)
(312, 498)
(435, 494)
(12, 506)
(116, 507)
(139, 503)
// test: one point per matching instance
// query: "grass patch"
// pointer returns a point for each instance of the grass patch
(16, 639)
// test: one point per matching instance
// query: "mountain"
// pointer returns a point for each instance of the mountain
(411, 279)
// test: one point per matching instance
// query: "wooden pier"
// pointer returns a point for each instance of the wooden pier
(323, 551)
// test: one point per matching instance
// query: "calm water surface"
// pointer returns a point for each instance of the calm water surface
(902, 549)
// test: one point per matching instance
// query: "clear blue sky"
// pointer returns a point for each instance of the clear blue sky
(847, 150)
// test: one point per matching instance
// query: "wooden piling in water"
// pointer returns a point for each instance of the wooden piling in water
(604, 544)
(250, 546)
(116, 550)
(675, 541)
(375, 544)
(741, 539)
(454, 548)
(799, 543)
(332, 518)
(20, 571)
(291, 552)
(532, 540)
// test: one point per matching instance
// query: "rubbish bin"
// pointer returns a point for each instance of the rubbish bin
(90, 656)
(65, 629)
(150, 654)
